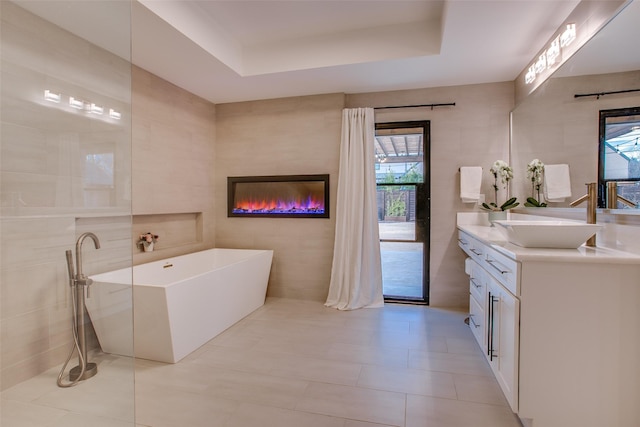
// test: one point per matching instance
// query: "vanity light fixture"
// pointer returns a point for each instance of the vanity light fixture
(114, 114)
(51, 96)
(553, 52)
(541, 64)
(96, 109)
(530, 77)
(568, 35)
(586, 18)
(552, 55)
(76, 103)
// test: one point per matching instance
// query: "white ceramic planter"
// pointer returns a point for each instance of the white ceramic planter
(497, 216)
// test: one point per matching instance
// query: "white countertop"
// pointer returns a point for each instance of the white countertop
(493, 237)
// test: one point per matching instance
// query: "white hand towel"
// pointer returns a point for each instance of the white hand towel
(470, 180)
(557, 184)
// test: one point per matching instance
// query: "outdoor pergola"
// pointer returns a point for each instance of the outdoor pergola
(401, 148)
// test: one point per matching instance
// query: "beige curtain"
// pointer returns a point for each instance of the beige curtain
(356, 274)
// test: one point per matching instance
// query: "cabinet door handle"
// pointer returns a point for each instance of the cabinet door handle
(473, 282)
(475, 251)
(463, 242)
(475, 325)
(489, 324)
(492, 264)
(492, 311)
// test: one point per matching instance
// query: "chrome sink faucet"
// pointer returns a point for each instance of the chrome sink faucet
(592, 203)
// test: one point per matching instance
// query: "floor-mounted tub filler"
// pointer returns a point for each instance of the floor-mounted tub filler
(179, 303)
(79, 285)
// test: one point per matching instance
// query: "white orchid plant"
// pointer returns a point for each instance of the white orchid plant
(535, 171)
(500, 169)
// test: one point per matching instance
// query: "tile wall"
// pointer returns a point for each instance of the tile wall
(289, 136)
(173, 167)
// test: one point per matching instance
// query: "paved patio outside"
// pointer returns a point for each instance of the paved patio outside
(401, 261)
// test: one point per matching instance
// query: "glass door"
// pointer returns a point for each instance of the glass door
(403, 209)
(65, 145)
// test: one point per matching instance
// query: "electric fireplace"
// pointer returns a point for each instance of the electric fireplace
(281, 196)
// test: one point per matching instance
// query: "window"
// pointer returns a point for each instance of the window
(619, 155)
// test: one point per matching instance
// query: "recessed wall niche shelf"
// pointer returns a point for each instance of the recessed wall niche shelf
(278, 196)
(174, 229)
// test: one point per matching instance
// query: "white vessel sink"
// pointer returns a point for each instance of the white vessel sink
(547, 234)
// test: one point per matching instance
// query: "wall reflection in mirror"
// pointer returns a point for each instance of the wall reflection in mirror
(559, 123)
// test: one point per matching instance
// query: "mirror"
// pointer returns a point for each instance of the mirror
(559, 122)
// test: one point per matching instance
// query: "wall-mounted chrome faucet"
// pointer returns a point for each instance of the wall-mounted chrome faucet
(79, 284)
(592, 203)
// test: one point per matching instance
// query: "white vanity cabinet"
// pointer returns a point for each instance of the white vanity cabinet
(503, 334)
(494, 311)
(561, 329)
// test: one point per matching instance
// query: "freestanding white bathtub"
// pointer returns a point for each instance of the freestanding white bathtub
(179, 303)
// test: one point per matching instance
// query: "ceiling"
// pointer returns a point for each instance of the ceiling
(229, 51)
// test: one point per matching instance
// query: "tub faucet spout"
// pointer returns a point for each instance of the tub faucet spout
(592, 203)
(79, 275)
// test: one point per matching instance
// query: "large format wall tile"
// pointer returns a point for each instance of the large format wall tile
(290, 136)
(174, 162)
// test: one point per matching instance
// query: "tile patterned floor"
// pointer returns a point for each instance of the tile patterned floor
(298, 363)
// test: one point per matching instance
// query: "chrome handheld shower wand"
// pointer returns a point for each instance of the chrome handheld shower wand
(78, 283)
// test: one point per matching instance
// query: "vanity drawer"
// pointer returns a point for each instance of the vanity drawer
(471, 246)
(464, 241)
(504, 269)
(477, 282)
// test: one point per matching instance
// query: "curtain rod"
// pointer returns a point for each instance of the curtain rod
(599, 94)
(451, 104)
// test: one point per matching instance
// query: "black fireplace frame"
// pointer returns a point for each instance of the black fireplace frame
(233, 180)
